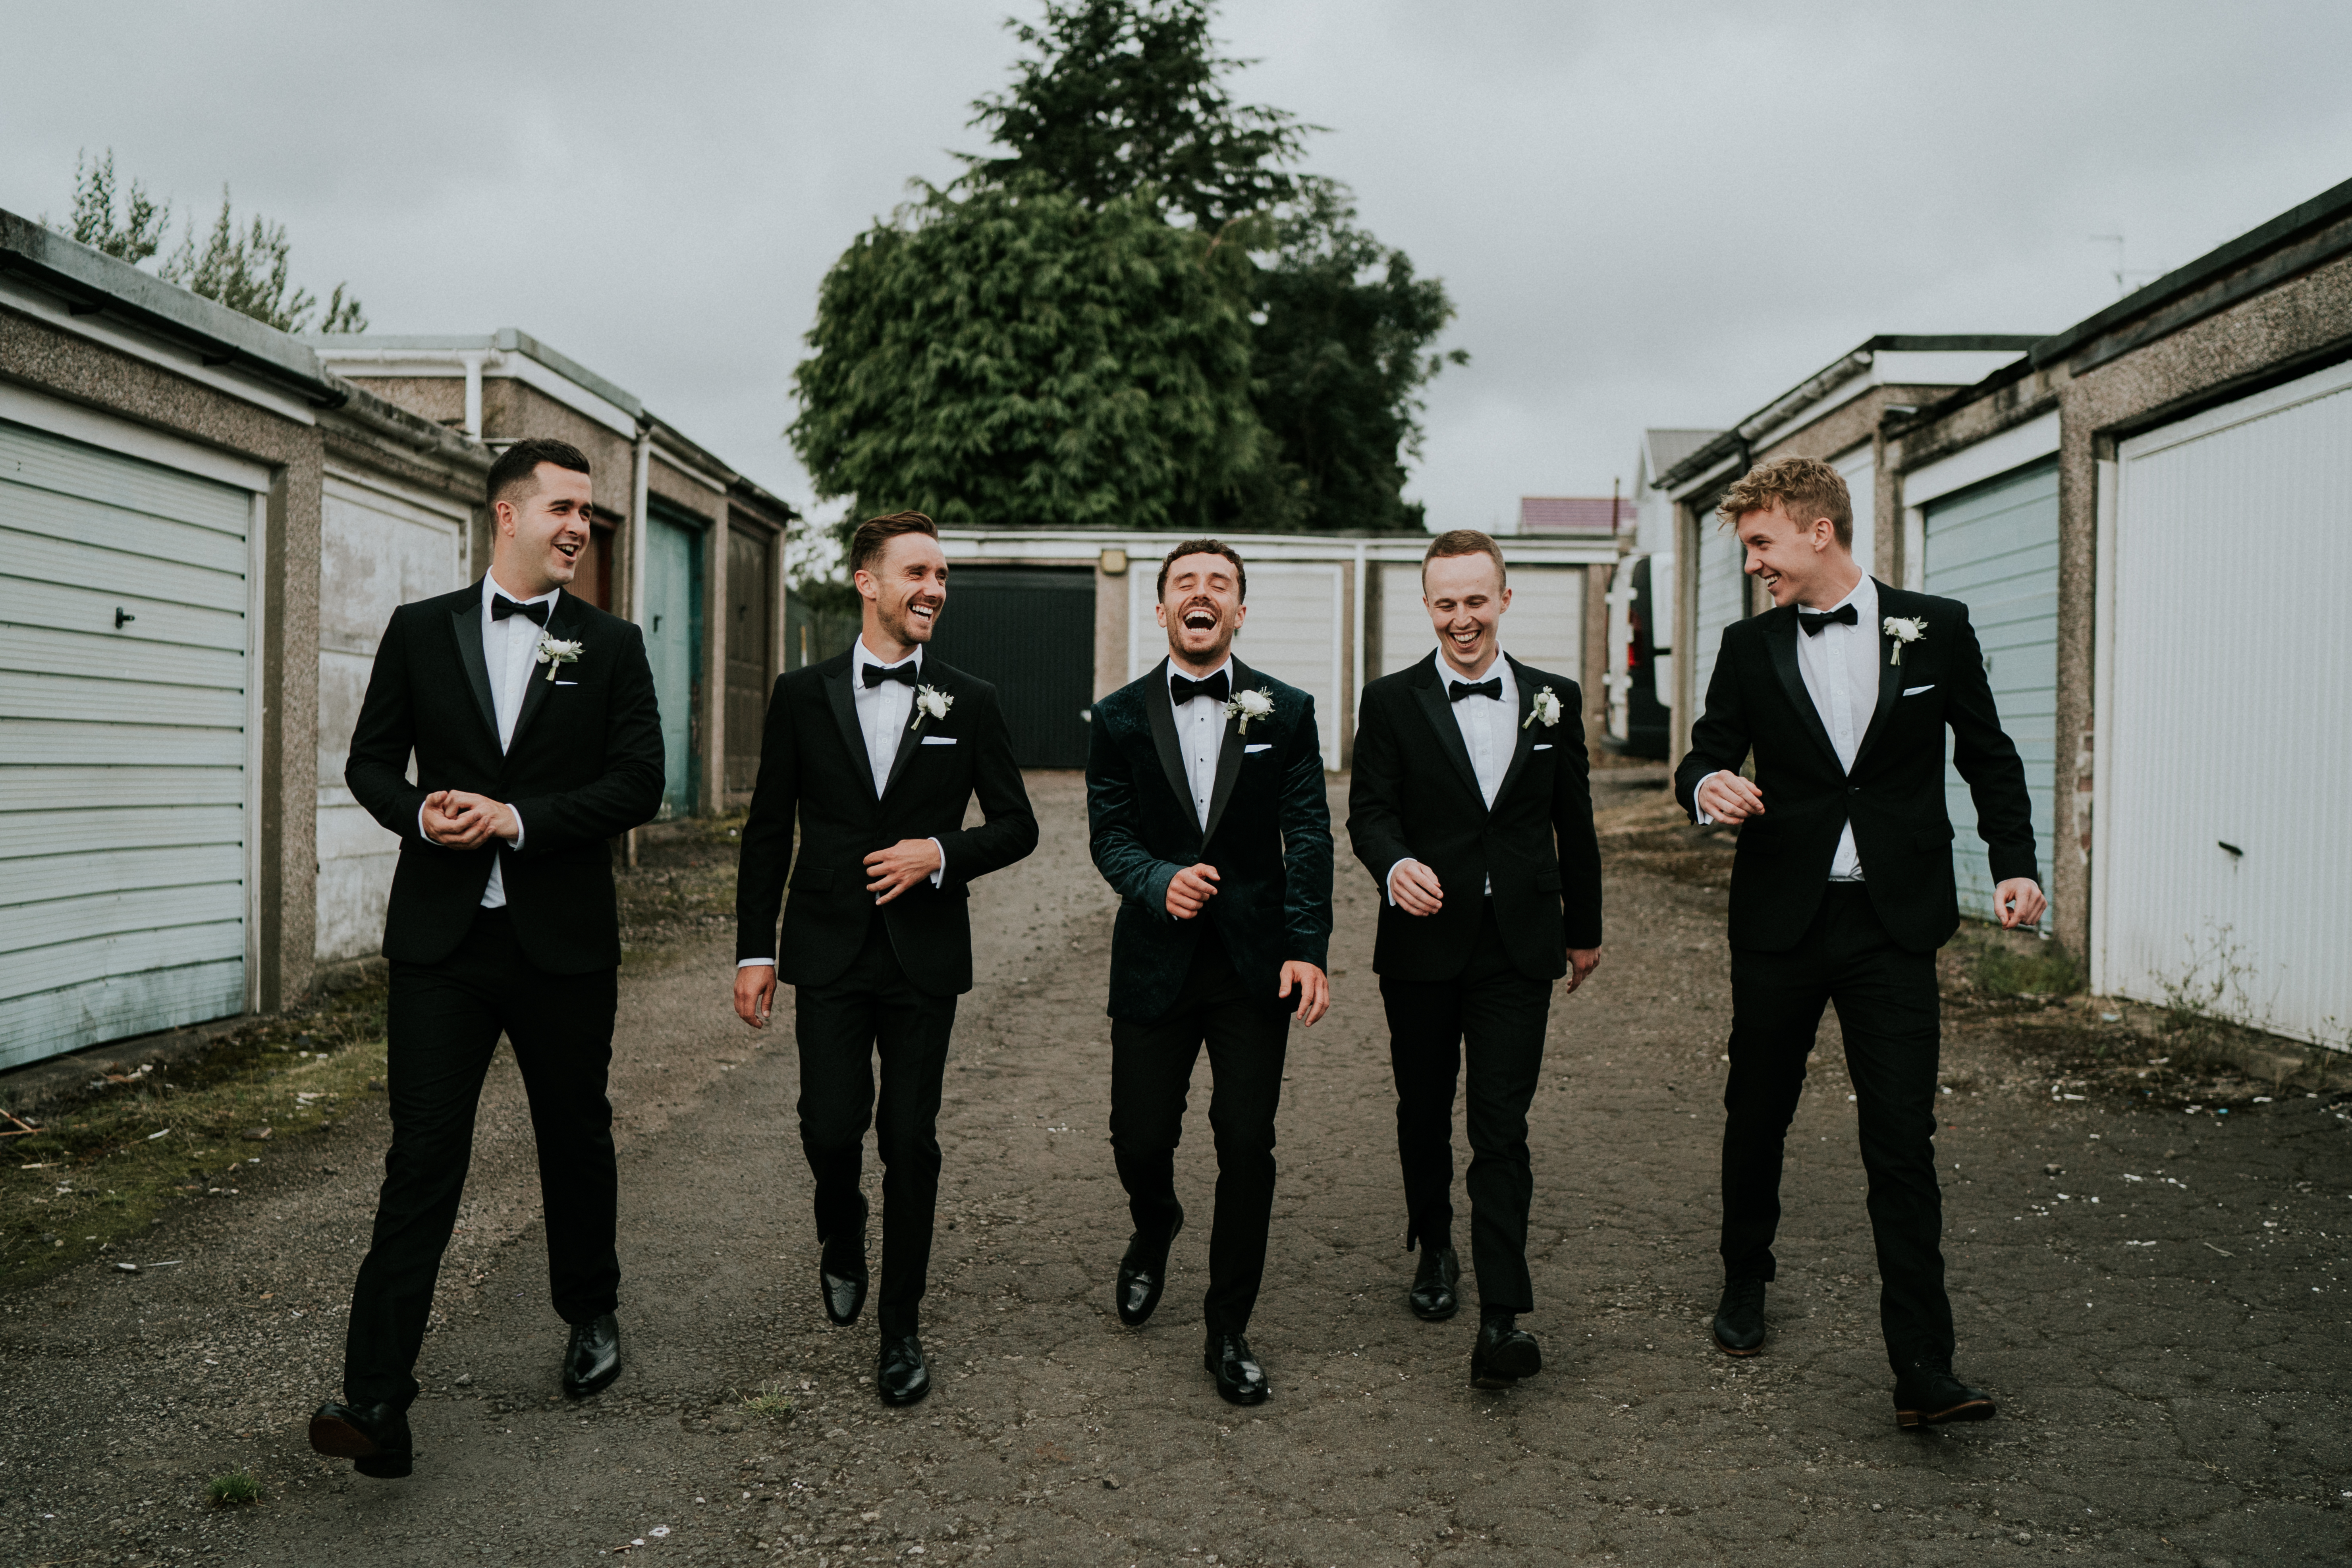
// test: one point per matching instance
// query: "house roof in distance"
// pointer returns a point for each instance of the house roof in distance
(1668, 446)
(1587, 517)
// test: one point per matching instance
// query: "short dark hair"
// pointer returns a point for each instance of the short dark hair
(1461, 542)
(1205, 547)
(519, 465)
(876, 533)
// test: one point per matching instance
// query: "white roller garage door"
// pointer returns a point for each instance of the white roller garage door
(1293, 633)
(1544, 626)
(1722, 599)
(126, 765)
(2224, 658)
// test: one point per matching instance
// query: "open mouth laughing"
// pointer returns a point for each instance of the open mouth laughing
(1200, 618)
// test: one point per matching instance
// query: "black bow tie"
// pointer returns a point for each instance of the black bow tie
(904, 673)
(536, 612)
(1491, 686)
(1183, 688)
(1844, 614)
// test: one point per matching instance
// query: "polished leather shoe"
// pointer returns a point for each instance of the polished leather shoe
(1240, 1380)
(1502, 1353)
(1431, 1296)
(1143, 1272)
(1931, 1396)
(374, 1437)
(902, 1375)
(841, 1282)
(593, 1360)
(1739, 1318)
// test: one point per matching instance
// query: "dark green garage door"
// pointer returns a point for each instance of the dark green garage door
(1030, 631)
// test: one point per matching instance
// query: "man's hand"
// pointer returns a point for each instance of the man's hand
(1728, 797)
(2019, 902)
(900, 867)
(1581, 962)
(1190, 891)
(1313, 989)
(755, 993)
(459, 819)
(1416, 888)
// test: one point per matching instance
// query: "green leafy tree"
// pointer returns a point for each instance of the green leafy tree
(137, 234)
(246, 270)
(1016, 356)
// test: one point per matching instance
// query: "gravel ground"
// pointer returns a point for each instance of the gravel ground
(2156, 1297)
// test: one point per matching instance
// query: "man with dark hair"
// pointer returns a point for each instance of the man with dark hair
(1205, 787)
(532, 721)
(877, 752)
(1842, 891)
(1471, 775)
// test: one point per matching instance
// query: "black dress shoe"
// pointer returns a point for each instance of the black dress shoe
(902, 1375)
(841, 1280)
(1431, 1296)
(593, 1360)
(374, 1437)
(1739, 1316)
(1931, 1396)
(1143, 1272)
(1239, 1377)
(1502, 1353)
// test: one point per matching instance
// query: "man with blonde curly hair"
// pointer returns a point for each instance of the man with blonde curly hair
(1843, 889)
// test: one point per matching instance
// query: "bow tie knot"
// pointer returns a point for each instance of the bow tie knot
(1814, 621)
(1490, 686)
(904, 673)
(1183, 688)
(536, 612)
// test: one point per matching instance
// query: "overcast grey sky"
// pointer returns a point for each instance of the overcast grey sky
(1648, 214)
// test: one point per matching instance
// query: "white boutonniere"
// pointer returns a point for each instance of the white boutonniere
(555, 653)
(1904, 629)
(1546, 709)
(1249, 705)
(930, 701)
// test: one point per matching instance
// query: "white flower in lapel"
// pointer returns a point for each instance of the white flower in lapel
(1904, 629)
(1545, 710)
(555, 653)
(931, 700)
(1249, 705)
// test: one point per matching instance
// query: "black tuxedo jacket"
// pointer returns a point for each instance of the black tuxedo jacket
(1896, 793)
(813, 766)
(1269, 836)
(585, 764)
(1415, 796)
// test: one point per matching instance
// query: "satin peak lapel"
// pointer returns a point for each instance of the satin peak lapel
(844, 714)
(916, 719)
(1229, 761)
(534, 691)
(1890, 677)
(1161, 713)
(465, 625)
(1780, 632)
(1433, 702)
(1525, 745)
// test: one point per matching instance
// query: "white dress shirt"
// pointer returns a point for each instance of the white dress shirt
(1200, 735)
(1489, 727)
(884, 712)
(1840, 666)
(510, 653)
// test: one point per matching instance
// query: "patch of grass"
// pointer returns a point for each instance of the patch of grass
(770, 1401)
(234, 1489)
(2045, 969)
(151, 1136)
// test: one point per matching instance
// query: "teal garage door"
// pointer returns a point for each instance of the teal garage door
(124, 659)
(673, 625)
(1995, 549)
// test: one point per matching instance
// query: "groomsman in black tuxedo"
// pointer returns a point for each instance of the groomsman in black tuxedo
(1205, 787)
(877, 752)
(1471, 775)
(1841, 890)
(530, 714)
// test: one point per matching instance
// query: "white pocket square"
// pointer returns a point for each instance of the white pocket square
(939, 740)
(565, 683)
(1915, 690)
(1260, 746)
(1546, 746)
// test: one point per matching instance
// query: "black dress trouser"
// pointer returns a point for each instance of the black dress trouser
(1887, 1010)
(1499, 1015)
(873, 1010)
(442, 1024)
(1247, 1038)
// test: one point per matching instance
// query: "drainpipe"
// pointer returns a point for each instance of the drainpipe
(472, 361)
(1356, 660)
(639, 482)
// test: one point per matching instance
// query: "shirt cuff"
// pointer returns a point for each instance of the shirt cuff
(1389, 882)
(942, 871)
(518, 829)
(1698, 813)
(420, 825)
(748, 962)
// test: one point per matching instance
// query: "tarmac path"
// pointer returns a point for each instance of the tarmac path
(2157, 1300)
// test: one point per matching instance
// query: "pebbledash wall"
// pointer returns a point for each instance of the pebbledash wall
(2170, 474)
